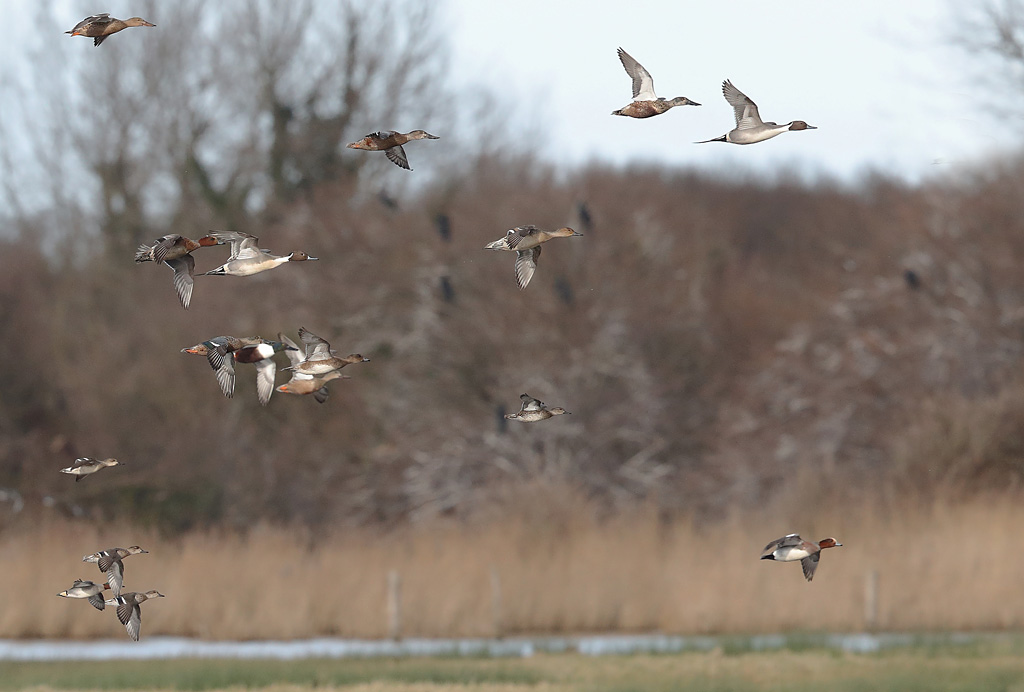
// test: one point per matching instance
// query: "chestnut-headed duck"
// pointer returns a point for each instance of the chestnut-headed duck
(534, 410)
(320, 357)
(99, 26)
(87, 589)
(110, 561)
(525, 242)
(390, 142)
(303, 384)
(84, 466)
(128, 610)
(247, 258)
(749, 126)
(792, 547)
(176, 252)
(223, 352)
(645, 102)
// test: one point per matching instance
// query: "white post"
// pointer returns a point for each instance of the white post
(871, 600)
(496, 602)
(394, 605)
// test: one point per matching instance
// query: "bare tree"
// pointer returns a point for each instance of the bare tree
(223, 111)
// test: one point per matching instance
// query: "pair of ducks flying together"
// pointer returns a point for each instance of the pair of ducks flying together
(246, 259)
(749, 126)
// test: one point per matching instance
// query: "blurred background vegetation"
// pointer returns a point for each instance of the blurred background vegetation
(723, 341)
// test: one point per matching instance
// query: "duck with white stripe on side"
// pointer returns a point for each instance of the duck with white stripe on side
(129, 612)
(750, 129)
(110, 561)
(247, 258)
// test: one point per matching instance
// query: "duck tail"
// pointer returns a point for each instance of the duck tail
(219, 271)
(144, 254)
(716, 139)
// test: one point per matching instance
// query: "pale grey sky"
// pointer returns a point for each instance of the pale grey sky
(877, 77)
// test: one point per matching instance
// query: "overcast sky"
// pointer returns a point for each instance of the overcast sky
(876, 76)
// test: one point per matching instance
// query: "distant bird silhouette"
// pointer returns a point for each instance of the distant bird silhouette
(586, 220)
(564, 290)
(912, 279)
(444, 227)
(499, 411)
(387, 200)
(447, 290)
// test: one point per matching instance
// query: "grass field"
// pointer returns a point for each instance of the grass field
(970, 669)
(942, 568)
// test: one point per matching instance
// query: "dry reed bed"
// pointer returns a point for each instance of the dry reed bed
(944, 567)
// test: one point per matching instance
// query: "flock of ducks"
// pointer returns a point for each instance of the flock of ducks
(318, 363)
(110, 562)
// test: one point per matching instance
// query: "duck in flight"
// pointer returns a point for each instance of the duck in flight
(246, 256)
(645, 103)
(534, 410)
(390, 142)
(525, 241)
(749, 126)
(99, 26)
(175, 251)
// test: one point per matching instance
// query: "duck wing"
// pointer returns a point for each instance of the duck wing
(397, 156)
(293, 356)
(98, 19)
(316, 347)
(744, 109)
(183, 267)
(162, 246)
(130, 615)
(321, 394)
(786, 541)
(239, 241)
(526, 265)
(530, 404)
(515, 235)
(97, 602)
(224, 367)
(115, 575)
(266, 369)
(809, 564)
(643, 83)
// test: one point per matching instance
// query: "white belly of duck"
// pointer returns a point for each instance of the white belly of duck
(791, 554)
